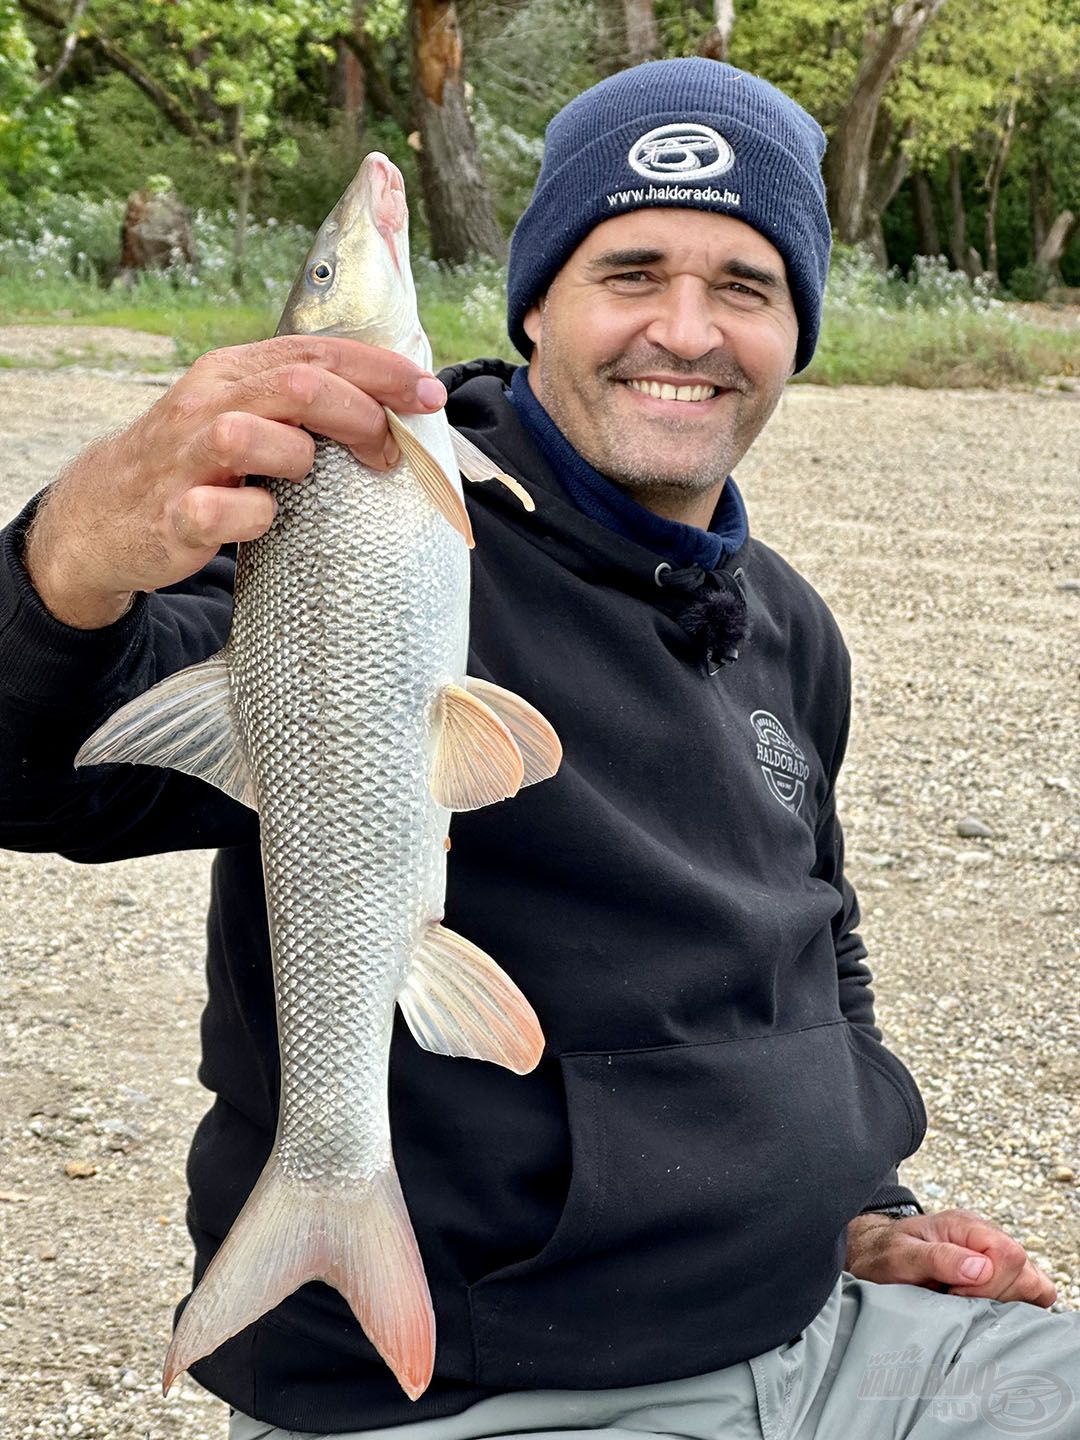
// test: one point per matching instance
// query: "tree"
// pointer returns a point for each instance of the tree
(854, 207)
(214, 69)
(460, 212)
(36, 124)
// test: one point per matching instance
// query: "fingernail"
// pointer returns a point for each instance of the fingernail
(974, 1267)
(391, 453)
(431, 392)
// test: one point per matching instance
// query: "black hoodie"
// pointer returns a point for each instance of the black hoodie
(667, 1194)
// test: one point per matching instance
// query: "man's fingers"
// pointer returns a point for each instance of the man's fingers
(209, 516)
(319, 401)
(389, 378)
(239, 443)
(1030, 1284)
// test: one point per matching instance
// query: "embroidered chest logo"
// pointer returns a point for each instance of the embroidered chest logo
(782, 762)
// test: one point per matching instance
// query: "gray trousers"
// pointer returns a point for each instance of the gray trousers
(880, 1362)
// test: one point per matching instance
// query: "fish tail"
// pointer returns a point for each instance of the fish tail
(359, 1240)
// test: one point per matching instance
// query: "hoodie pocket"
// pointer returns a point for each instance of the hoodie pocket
(710, 1191)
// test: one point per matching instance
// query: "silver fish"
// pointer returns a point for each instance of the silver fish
(340, 709)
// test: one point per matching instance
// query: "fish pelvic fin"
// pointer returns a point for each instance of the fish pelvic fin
(184, 722)
(477, 761)
(434, 481)
(541, 750)
(457, 1001)
(359, 1240)
(478, 467)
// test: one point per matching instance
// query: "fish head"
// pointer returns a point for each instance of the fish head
(356, 280)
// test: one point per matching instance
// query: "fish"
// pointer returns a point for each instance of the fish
(340, 709)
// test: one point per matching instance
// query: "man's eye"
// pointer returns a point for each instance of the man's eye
(745, 290)
(629, 277)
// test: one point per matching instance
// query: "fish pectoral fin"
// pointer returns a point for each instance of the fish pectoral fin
(540, 748)
(184, 722)
(478, 467)
(477, 760)
(434, 481)
(457, 1001)
(358, 1238)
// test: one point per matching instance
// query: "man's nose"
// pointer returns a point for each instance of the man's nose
(685, 322)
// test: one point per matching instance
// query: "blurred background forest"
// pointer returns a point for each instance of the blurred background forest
(953, 165)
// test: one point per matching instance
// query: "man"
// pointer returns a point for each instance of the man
(646, 1233)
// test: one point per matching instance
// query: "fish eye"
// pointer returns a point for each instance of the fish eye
(321, 273)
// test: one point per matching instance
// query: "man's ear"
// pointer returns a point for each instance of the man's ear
(531, 322)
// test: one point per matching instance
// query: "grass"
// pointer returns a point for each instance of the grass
(932, 328)
(927, 350)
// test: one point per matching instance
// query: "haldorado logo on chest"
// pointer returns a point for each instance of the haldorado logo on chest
(782, 762)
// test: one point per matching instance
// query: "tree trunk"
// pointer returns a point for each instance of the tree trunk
(642, 36)
(1053, 247)
(993, 185)
(962, 255)
(243, 197)
(460, 213)
(716, 42)
(847, 160)
(349, 85)
(609, 36)
(1038, 202)
(927, 236)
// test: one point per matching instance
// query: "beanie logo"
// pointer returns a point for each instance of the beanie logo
(681, 151)
(782, 762)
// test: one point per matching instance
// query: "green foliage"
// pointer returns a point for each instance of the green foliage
(1029, 282)
(35, 132)
(65, 255)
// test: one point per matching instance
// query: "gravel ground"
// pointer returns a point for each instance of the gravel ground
(942, 528)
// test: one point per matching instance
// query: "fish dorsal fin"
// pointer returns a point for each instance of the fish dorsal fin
(434, 481)
(457, 1001)
(537, 741)
(184, 722)
(478, 467)
(477, 761)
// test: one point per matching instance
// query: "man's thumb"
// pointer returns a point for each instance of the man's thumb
(955, 1265)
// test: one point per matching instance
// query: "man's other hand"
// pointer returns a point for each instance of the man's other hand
(153, 504)
(955, 1251)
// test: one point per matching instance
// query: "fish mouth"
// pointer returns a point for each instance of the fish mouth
(377, 193)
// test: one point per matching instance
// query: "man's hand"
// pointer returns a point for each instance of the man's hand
(152, 505)
(954, 1250)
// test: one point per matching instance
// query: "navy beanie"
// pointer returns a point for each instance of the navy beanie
(695, 134)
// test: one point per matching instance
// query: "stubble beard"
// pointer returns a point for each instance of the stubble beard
(609, 446)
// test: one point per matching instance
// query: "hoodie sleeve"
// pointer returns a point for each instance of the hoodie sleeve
(57, 685)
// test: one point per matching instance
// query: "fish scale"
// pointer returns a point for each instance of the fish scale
(340, 709)
(335, 942)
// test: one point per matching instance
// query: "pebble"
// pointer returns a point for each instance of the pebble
(1063, 1175)
(972, 829)
(80, 1169)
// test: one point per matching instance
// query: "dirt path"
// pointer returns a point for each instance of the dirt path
(943, 530)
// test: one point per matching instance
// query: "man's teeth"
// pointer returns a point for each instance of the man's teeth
(672, 392)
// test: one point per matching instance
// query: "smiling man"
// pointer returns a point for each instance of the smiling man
(687, 1220)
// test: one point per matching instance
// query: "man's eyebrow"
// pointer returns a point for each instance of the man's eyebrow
(742, 271)
(631, 259)
(624, 259)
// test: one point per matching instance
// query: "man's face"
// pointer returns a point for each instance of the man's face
(688, 300)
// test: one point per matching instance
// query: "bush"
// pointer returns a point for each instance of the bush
(1029, 282)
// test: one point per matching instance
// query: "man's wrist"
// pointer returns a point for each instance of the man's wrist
(51, 570)
(894, 1212)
